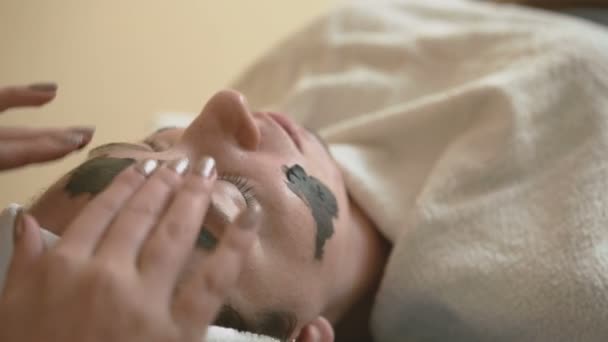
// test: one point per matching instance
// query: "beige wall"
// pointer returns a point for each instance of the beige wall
(119, 62)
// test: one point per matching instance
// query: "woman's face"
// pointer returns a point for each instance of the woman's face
(261, 158)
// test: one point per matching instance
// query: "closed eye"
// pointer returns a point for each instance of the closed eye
(243, 185)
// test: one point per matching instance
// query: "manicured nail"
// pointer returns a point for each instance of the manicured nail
(19, 226)
(179, 165)
(86, 130)
(73, 139)
(206, 168)
(78, 136)
(249, 219)
(146, 166)
(47, 87)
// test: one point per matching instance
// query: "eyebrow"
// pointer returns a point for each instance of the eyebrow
(277, 324)
(162, 129)
(228, 317)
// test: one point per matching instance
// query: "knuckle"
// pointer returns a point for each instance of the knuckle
(60, 262)
(215, 283)
(167, 177)
(107, 205)
(199, 184)
(174, 229)
(141, 209)
(128, 179)
(102, 276)
(154, 254)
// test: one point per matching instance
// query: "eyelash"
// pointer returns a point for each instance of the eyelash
(242, 184)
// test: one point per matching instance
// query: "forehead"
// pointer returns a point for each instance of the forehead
(168, 133)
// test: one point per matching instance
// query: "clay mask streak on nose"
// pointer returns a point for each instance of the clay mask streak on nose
(318, 198)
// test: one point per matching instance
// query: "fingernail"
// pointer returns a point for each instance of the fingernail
(179, 165)
(73, 139)
(206, 168)
(249, 219)
(85, 130)
(87, 133)
(19, 226)
(78, 136)
(48, 87)
(146, 166)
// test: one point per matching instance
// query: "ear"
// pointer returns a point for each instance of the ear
(319, 330)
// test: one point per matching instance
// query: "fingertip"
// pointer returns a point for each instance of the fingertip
(44, 87)
(249, 219)
(27, 235)
(77, 137)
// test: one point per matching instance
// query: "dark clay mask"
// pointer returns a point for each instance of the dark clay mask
(319, 199)
(94, 175)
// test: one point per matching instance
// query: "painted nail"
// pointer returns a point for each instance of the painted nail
(73, 138)
(206, 168)
(146, 166)
(19, 226)
(249, 219)
(179, 165)
(47, 87)
(78, 136)
(85, 130)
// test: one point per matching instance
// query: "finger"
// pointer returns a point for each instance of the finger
(88, 227)
(140, 214)
(169, 245)
(26, 96)
(19, 152)
(28, 248)
(31, 132)
(203, 291)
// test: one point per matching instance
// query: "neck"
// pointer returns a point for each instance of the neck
(364, 267)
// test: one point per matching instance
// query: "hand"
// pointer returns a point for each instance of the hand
(20, 146)
(114, 275)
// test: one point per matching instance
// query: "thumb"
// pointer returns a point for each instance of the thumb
(27, 249)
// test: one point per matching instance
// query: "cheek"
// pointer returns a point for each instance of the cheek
(288, 231)
(270, 281)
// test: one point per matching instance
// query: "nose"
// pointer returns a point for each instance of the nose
(227, 116)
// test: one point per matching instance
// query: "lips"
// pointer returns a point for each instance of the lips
(289, 127)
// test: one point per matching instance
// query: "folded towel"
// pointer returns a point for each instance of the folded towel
(475, 137)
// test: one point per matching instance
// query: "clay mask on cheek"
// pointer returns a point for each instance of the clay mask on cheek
(319, 199)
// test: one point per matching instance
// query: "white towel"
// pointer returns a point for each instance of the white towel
(476, 138)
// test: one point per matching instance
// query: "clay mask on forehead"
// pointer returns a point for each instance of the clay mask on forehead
(318, 198)
(94, 175)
